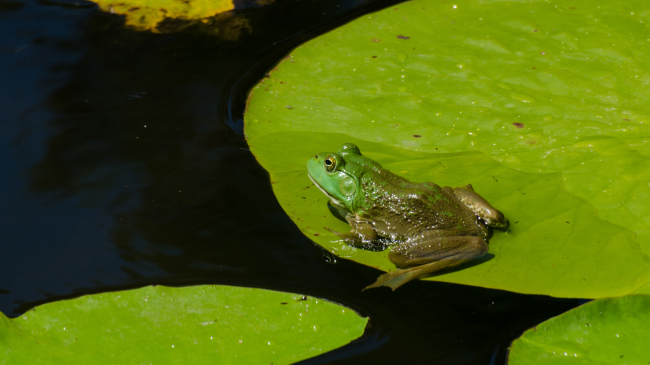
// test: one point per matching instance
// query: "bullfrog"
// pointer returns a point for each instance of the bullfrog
(429, 227)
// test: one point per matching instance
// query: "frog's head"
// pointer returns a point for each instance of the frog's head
(337, 175)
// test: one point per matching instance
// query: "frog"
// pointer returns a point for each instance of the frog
(428, 227)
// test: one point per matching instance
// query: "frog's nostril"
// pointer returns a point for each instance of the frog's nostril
(316, 157)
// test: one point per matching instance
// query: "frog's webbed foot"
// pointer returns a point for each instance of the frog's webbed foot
(429, 255)
(343, 236)
(395, 279)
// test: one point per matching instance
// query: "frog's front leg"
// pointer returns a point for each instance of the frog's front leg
(362, 233)
(427, 255)
(480, 206)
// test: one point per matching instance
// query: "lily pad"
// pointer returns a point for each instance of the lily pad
(162, 325)
(604, 331)
(540, 105)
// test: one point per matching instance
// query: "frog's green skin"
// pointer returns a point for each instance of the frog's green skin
(433, 227)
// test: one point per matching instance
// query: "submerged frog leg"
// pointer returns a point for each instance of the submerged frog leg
(429, 255)
(480, 206)
(361, 235)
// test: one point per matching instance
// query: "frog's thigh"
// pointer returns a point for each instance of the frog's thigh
(443, 251)
(480, 206)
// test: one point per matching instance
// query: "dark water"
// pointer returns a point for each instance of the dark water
(122, 164)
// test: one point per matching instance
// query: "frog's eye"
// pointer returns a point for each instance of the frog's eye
(348, 186)
(330, 163)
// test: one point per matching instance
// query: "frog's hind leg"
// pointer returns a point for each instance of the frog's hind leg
(428, 256)
(480, 206)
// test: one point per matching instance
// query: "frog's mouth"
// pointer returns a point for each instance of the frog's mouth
(333, 199)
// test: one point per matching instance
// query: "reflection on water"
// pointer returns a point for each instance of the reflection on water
(123, 164)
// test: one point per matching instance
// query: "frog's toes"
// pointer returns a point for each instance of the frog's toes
(335, 232)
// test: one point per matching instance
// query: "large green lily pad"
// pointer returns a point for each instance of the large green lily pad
(540, 105)
(604, 331)
(192, 325)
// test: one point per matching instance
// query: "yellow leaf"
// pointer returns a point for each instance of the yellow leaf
(147, 14)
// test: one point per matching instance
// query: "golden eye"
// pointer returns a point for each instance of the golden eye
(330, 163)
